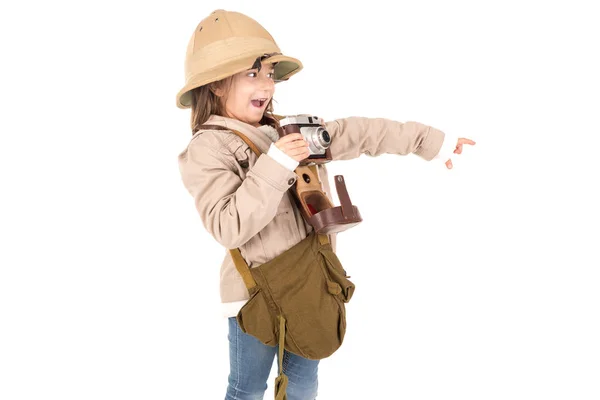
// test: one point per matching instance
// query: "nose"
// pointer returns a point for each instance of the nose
(265, 83)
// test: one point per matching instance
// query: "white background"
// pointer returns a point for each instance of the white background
(479, 282)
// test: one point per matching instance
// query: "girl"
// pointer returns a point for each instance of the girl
(231, 68)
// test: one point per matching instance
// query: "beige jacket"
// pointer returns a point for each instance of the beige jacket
(244, 201)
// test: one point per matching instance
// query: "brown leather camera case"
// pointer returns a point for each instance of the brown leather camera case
(316, 207)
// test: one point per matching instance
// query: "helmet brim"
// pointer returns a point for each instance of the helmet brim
(286, 67)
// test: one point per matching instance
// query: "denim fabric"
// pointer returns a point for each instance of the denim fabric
(251, 363)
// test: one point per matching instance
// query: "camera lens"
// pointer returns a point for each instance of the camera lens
(317, 137)
(323, 138)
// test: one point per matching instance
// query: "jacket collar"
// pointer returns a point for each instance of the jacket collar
(262, 136)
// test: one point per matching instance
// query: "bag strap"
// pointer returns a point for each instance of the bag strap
(323, 239)
(243, 269)
(281, 382)
(240, 134)
(236, 255)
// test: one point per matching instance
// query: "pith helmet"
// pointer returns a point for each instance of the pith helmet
(225, 43)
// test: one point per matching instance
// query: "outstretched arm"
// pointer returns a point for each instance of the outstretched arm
(353, 136)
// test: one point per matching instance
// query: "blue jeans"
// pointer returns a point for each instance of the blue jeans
(250, 365)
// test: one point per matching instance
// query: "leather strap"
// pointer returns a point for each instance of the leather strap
(340, 186)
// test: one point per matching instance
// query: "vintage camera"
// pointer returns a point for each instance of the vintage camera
(313, 132)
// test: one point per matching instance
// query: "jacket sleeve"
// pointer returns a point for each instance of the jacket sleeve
(232, 210)
(351, 137)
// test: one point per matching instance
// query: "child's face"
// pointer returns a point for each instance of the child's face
(249, 94)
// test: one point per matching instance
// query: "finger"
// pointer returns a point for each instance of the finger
(301, 143)
(291, 150)
(465, 141)
(294, 153)
(458, 149)
(286, 146)
(291, 137)
(300, 156)
(297, 150)
(298, 144)
(449, 164)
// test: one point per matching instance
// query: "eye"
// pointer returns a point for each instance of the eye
(271, 75)
(250, 73)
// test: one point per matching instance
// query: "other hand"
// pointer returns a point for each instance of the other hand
(459, 148)
(294, 146)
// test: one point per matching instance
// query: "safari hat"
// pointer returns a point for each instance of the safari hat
(228, 42)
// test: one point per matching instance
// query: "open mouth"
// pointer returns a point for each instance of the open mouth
(259, 102)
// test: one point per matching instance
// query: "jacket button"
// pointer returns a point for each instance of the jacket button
(291, 181)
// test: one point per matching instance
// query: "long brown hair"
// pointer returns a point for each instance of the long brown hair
(205, 103)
